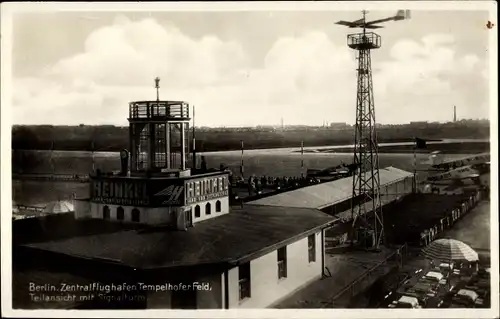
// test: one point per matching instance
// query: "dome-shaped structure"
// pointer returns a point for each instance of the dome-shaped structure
(57, 207)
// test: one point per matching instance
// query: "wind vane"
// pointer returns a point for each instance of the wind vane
(362, 23)
(157, 86)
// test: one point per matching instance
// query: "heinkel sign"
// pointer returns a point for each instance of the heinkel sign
(120, 192)
(207, 188)
(171, 195)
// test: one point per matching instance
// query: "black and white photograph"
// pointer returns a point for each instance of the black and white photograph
(271, 157)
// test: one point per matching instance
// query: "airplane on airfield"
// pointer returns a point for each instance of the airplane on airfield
(436, 160)
(362, 23)
(342, 170)
(468, 172)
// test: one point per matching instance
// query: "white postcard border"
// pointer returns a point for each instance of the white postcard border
(8, 9)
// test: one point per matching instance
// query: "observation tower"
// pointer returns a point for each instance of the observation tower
(154, 185)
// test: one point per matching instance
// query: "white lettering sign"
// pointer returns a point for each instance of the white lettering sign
(206, 189)
(109, 190)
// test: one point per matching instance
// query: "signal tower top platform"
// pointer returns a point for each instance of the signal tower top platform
(364, 41)
(369, 40)
(159, 111)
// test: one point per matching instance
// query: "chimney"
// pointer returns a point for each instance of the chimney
(454, 113)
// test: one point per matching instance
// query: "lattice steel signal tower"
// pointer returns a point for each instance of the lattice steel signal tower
(366, 179)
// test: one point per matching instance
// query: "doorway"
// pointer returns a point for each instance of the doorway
(188, 216)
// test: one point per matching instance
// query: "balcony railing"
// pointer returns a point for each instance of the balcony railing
(159, 110)
(364, 41)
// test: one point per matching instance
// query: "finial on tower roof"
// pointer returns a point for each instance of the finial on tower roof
(157, 86)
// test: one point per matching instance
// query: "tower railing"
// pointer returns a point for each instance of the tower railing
(160, 110)
(364, 41)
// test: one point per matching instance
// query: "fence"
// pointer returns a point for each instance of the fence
(36, 209)
(447, 222)
(364, 281)
(52, 177)
(25, 212)
(16, 216)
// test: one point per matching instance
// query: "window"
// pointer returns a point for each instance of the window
(217, 206)
(120, 214)
(105, 212)
(208, 209)
(136, 215)
(197, 211)
(311, 246)
(244, 281)
(282, 262)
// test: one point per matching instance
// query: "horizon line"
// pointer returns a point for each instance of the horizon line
(328, 124)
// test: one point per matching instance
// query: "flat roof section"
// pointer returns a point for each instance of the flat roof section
(326, 194)
(415, 213)
(244, 234)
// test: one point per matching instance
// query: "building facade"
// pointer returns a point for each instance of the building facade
(181, 202)
(266, 280)
(256, 283)
(252, 257)
(168, 234)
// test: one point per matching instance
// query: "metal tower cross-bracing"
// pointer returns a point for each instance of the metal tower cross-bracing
(367, 217)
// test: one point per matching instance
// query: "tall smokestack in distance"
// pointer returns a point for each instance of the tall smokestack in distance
(194, 140)
(454, 113)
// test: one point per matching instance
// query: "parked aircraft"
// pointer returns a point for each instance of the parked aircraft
(472, 172)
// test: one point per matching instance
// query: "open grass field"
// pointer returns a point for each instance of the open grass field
(278, 162)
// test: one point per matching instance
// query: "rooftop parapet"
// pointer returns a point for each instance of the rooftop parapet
(364, 41)
(159, 110)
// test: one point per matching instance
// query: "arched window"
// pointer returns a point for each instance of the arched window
(120, 213)
(197, 211)
(208, 208)
(136, 215)
(217, 206)
(105, 212)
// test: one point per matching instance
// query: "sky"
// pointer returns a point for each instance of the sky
(245, 68)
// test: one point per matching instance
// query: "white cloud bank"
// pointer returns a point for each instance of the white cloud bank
(305, 80)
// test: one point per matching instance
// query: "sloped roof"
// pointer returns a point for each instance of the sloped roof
(244, 233)
(326, 194)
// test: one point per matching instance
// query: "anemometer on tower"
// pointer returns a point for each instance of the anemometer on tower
(366, 180)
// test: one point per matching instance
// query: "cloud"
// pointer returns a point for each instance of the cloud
(425, 79)
(305, 79)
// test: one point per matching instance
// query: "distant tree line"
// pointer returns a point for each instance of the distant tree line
(448, 148)
(114, 138)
